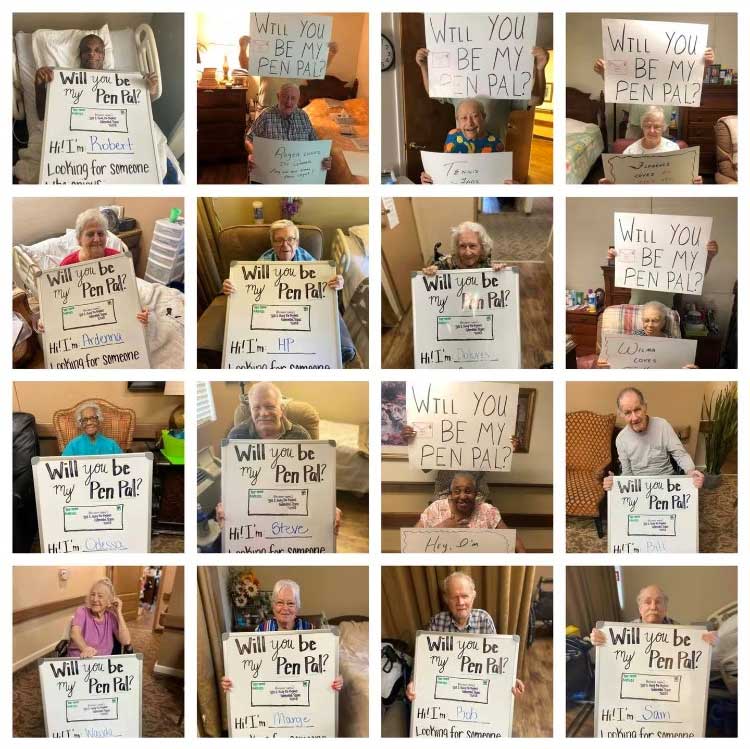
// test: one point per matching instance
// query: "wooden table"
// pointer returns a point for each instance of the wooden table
(582, 325)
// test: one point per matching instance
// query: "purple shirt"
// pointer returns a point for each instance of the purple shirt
(97, 634)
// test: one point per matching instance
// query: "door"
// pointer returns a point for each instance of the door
(127, 582)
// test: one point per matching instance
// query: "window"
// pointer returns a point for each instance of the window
(205, 410)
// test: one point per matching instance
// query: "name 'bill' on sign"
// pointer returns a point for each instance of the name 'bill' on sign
(660, 252)
(289, 162)
(98, 129)
(468, 168)
(467, 319)
(651, 681)
(652, 62)
(289, 45)
(462, 425)
(652, 515)
(480, 54)
(669, 168)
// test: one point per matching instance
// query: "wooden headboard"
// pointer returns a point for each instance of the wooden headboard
(329, 87)
(580, 106)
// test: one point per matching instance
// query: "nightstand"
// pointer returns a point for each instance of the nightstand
(582, 326)
(132, 240)
(221, 124)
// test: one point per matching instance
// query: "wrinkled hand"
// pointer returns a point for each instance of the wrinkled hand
(611, 253)
(228, 287)
(708, 56)
(514, 443)
(250, 162)
(605, 181)
(712, 638)
(454, 522)
(497, 267)
(608, 481)
(602, 364)
(541, 57)
(598, 637)
(336, 282)
(408, 433)
(326, 163)
(697, 479)
(425, 178)
(226, 684)
(333, 48)
(88, 652)
(518, 688)
(430, 270)
(411, 695)
(338, 683)
(142, 316)
(712, 247)
(153, 83)
(44, 74)
(599, 66)
(219, 512)
(421, 57)
(40, 326)
(117, 606)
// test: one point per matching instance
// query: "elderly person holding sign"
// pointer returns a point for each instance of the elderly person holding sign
(464, 508)
(286, 603)
(646, 444)
(459, 593)
(652, 609)
(98, 623)
(285, 248)
(283, 121)
(472, 248)
(91, 442)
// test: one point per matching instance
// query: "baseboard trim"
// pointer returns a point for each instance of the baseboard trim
(169, 671)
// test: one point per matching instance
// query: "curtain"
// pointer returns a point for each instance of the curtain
(411, 595)
(209, 263)
(591, 596)
(212, 711)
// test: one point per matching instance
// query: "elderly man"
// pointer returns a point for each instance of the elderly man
(646, 444)
(283, 121)
(91, 442)
(459, 593)
(652, 609)
(285, 248)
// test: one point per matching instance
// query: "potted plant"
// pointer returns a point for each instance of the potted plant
(719, 416)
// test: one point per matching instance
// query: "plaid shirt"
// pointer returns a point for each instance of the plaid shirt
(270, 123)
(480, 622)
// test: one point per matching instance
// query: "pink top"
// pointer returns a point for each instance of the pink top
(72, 258)
(484, 515)
(97, 634)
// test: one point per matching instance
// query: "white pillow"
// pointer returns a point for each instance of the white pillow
(59, 48)
(71, 240)
(576, 126)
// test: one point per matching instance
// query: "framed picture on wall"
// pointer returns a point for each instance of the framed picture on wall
(525, 418)
(548, 93)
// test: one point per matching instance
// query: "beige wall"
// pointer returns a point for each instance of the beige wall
(435, 217)
(172, 641)
(363, 61)
(334, 401)
(34, 586)
(30, 22)
(694, 592)
(590, 230)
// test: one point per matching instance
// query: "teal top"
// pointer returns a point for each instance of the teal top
(82, 445)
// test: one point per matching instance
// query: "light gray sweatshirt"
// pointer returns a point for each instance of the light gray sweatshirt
(647, 453)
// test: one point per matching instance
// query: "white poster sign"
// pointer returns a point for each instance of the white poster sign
(98, 129)
(463, 685)
(647, 352)
(652, 515)
(281, 684)
(464, 426)
(289, 45)
(289, 162)
(89, 314)
(467, 319)
(282, 316)
(669, 168)
(92, 698)
(480, 54)
(458, 540)
(653, 62)
(651, 681)
(94, 502)
(468, 168)
(278, 495)
(661, 253)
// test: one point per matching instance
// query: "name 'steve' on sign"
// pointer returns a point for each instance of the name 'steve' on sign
(98, 129)
(480, 54)
(463, 685)
(92, 698)
(94, 503)
(466, 319)
(651, 62)
(462, 426)
(651, 681)
(278, 496)
(289, 45)
(281, 684)
(661, 253)
(282, 316)
(89, 312)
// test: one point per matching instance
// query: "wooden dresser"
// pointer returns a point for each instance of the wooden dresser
(582, 326)
(221, 124)
(697, 123)
(613, 294)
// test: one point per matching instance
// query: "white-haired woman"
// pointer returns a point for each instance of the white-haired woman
(98, 623)
(285, 603)
(91, 441)
(654, 316)
(472, 248)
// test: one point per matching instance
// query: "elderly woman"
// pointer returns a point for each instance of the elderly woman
(463, 508)
(286, 603)
(285, 248)
(96, 625)
(470, 134)
(91, 442)
(472, 248)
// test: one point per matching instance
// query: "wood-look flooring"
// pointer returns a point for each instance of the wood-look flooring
(532, 715)
(397, 345)
(354, 533)
(223, 173)
(540, 166)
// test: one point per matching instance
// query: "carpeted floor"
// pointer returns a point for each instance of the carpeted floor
(162, 695)
(519, 237)
(717, 523)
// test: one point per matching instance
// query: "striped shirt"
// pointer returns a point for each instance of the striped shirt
(271, 625)
(480, 622)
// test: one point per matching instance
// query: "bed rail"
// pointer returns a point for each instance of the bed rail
(148, 55)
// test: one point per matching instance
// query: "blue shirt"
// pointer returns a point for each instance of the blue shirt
(82, 445)
(299, 254)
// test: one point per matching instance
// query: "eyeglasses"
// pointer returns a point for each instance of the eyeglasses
(88, 419)
(291, 241)
(285, 604)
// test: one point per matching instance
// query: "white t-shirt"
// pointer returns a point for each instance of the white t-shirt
(637, 149)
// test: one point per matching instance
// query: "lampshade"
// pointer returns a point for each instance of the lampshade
(174, 387)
